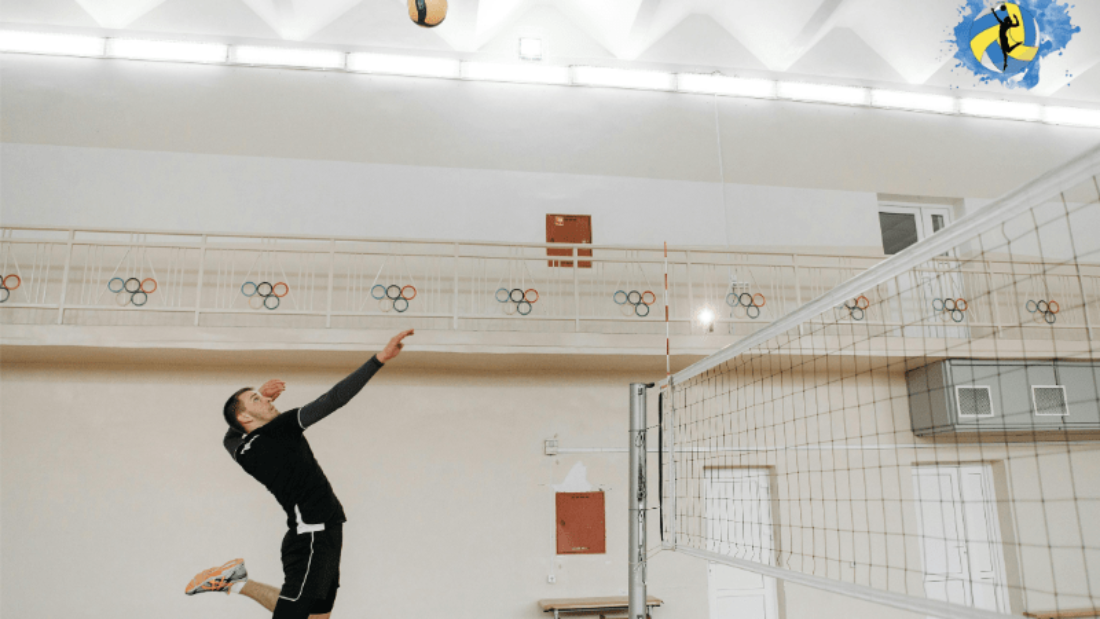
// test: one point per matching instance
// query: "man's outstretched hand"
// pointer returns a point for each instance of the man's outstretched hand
(393, 348)
(272, 388)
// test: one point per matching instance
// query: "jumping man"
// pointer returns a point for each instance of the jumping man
(1007, 24)
(272, 448)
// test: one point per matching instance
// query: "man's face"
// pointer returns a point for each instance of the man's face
(258, 407)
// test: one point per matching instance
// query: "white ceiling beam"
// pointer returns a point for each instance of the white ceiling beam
(820, 23)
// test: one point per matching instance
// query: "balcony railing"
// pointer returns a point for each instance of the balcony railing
(84, 276)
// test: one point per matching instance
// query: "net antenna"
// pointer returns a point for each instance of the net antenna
(950, 469)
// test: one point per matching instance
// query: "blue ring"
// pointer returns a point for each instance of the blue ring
(735, 303)
(941, 307)
(506, 295)
(1031, 306)
(375, 287)
(253, 284)
(615, 297)
(113, 280)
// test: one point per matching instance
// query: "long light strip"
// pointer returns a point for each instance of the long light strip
(728, 86)
(178, 51)
(894, 99)
(525, 73)
(623, 78)
(46, 43)
(18, 41)
(289, 57)
(823, 93)
(415, 66)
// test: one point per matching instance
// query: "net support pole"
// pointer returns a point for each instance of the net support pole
(636, 542)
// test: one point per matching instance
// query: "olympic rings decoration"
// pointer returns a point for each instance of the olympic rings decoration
(1043, 309)
(857, 307)
(951, 308)
(394, 297)
(747, 300)
(633, 301)
(265, 294)
(131, 291)
(517, 300)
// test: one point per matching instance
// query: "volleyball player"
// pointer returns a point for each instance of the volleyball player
(271, 447)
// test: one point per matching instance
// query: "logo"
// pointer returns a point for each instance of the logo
(1006, 41)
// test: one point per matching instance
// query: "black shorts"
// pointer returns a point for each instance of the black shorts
(311, 567)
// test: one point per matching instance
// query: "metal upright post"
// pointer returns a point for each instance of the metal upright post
(636, 541)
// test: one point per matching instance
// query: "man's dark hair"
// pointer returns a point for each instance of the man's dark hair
(232, 407)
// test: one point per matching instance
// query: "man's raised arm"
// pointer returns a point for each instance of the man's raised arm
(346, 389)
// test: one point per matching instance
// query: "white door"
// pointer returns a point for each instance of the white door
(739, 525)
(960, 537)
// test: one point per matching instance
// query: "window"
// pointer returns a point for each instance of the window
(903, 224)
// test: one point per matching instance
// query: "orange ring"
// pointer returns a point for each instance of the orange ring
(407, 297)
(18, 281)
(650, 293)
(286, 290)
(863, 302)
(759, 303)
(1054, 307)
(148, 279)
(527, 295)
(961, 304)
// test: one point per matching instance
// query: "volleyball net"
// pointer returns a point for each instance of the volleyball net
(926, 435)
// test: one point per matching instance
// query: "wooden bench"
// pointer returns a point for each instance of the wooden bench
(604, 607)
(1081, 613)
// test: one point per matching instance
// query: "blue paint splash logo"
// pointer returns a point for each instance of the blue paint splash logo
(1006, 41)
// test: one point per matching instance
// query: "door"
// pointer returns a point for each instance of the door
(959, 536)
(739, 525)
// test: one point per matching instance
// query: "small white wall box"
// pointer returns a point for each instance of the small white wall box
(972, 396)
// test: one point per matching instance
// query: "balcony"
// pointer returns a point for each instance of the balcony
(75, 291)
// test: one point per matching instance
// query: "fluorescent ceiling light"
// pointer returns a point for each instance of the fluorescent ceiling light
(622, 78)
(417, 66)
(289, 57)
(44, 43)
(182, 51)
(823, 93)
(990, 108)
(1072, 116)
(527, 73)
(723, 85)
(530, 49)
(914, 101)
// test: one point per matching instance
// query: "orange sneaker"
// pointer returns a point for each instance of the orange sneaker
(217, 578)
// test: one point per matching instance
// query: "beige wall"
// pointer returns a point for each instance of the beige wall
(116, 490)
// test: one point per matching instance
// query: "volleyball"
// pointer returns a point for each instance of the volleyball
(1005, 39)
(427, 13)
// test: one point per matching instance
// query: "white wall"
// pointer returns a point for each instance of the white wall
(166, 146)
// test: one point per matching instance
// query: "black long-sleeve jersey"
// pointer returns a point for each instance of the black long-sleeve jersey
(277, 454)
